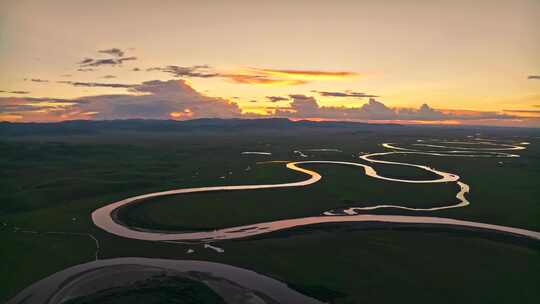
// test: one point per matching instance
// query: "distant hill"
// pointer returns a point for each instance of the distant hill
(217, 125)
(204, 124)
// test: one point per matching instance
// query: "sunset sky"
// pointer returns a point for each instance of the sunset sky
(406, 61)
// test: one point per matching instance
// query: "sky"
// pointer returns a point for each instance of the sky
(406, 61)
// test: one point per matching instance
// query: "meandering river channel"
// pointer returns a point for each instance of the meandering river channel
(237, 285)
(105, 219)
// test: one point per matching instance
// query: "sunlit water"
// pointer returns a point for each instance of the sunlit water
(104, 217)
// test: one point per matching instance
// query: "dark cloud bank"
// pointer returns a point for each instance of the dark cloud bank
(158, 99)
(303, 106)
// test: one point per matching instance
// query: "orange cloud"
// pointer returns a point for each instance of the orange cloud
(49, 104)
(524, 113)
(276, 77)
(306, 74)
(10, 117)
(175, 99)
(257, 76)
(262, 80)
(148, 100)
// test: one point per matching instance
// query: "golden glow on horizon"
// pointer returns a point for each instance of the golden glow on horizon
(10, 117)
(255, 110)
(411, 122)
(186, 114)
(49, 104)
(407, 52)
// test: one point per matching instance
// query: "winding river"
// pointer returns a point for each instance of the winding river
(105, 219)
(237, 285)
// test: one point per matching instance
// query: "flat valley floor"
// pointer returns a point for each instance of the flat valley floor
(52, 181)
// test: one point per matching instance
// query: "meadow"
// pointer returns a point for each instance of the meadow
(52, 181)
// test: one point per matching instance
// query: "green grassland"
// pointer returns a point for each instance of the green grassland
(27, 257)
(54, 182)
(341, 187)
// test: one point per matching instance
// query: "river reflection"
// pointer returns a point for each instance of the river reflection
(105, 217)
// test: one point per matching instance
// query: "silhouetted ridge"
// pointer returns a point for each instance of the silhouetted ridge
(143, 125)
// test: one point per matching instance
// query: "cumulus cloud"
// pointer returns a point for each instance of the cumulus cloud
(159, 101)
(114, 51)
(533, 77)
(153, 100)
(345, 94)
(276, 98)
(303, 106)
(177, 100)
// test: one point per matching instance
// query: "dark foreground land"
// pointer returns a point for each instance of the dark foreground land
(52, 176)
